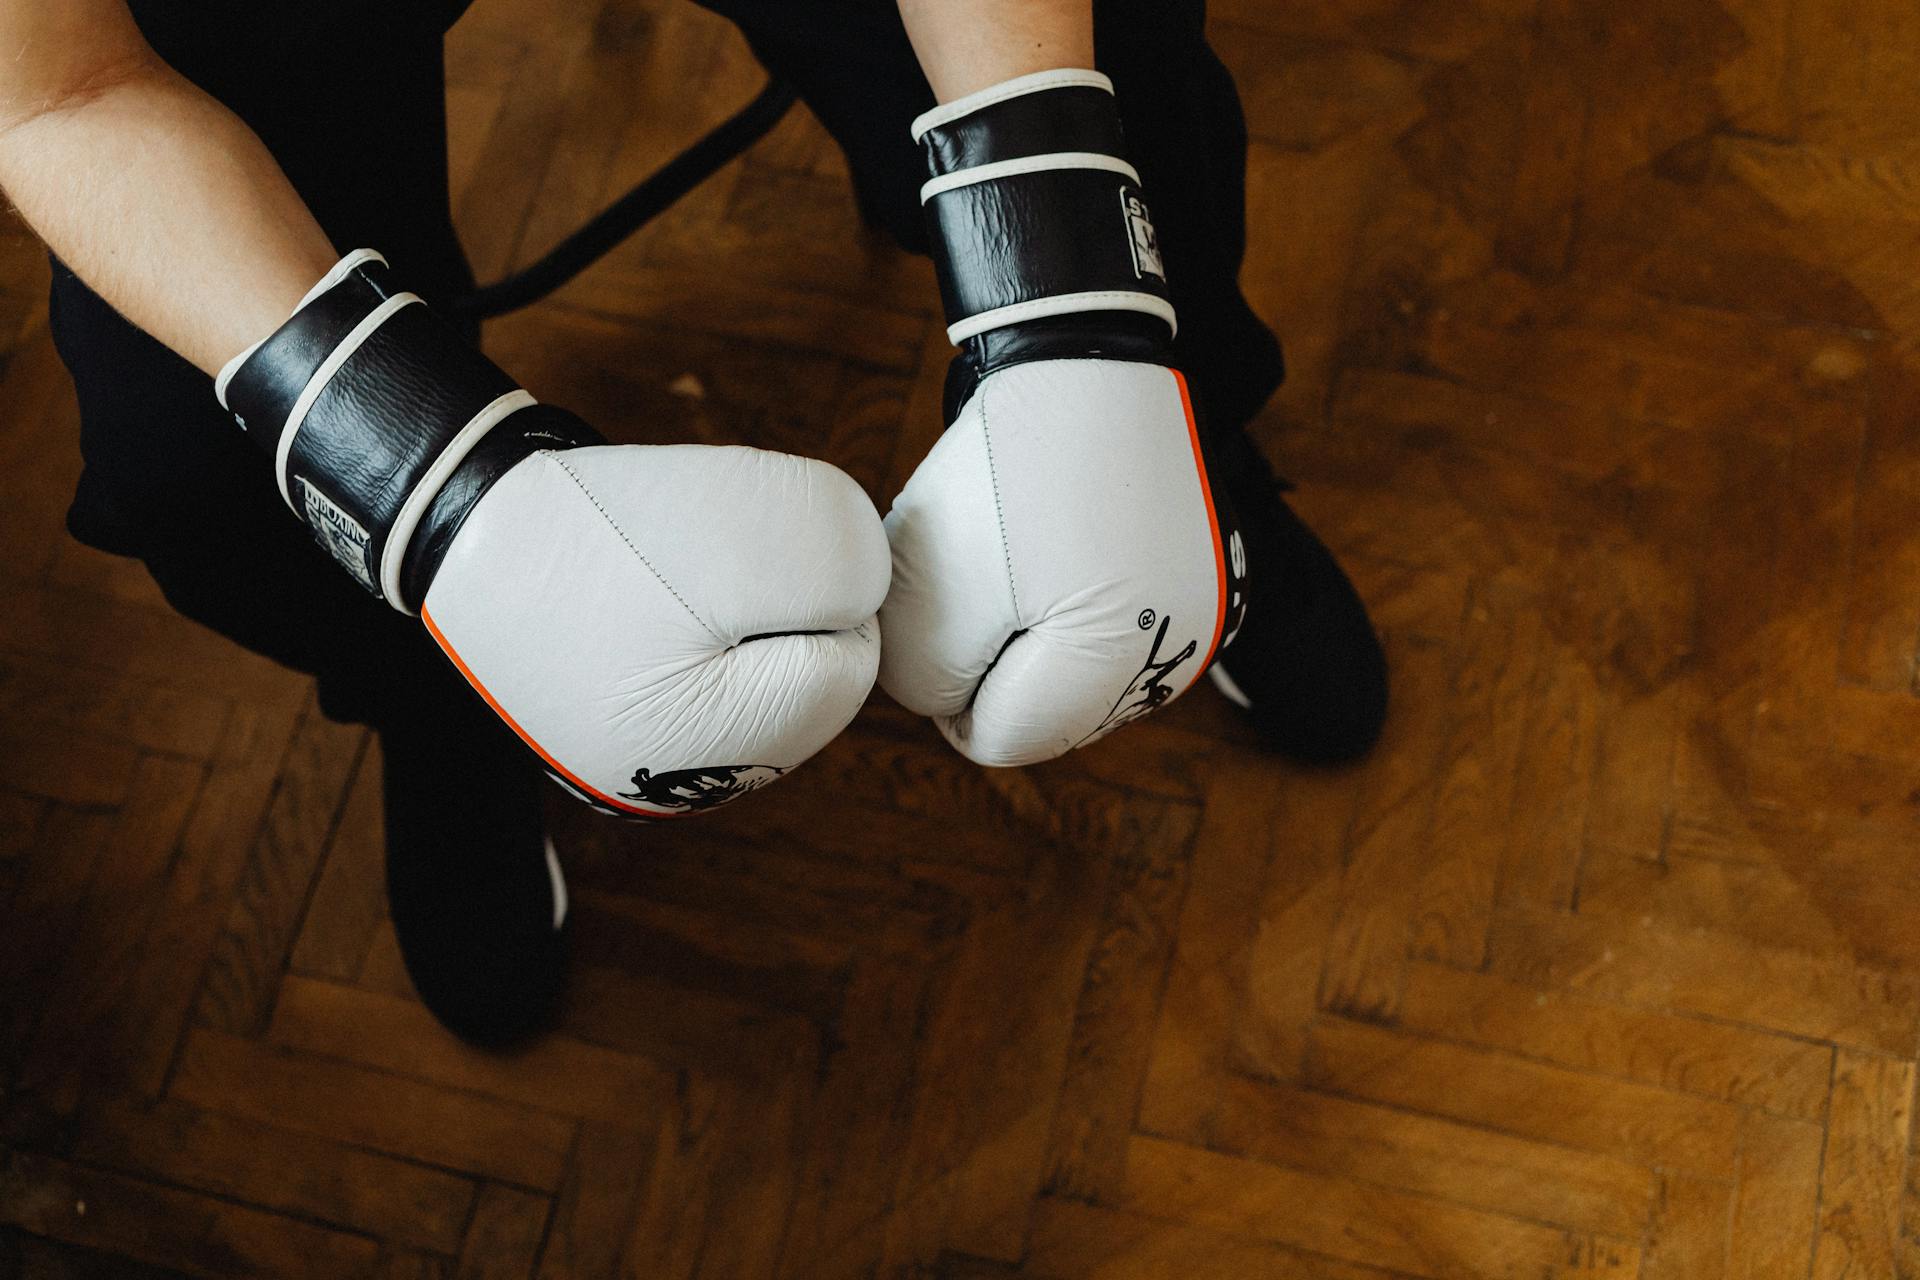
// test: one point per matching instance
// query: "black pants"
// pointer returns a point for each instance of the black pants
(349, 98)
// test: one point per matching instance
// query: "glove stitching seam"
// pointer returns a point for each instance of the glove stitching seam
(999, 512)
(572, 475)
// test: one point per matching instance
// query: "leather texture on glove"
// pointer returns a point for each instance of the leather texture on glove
(1057, 566)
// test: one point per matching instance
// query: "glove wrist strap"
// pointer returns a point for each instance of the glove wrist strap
(1033, 209)
(385, 425)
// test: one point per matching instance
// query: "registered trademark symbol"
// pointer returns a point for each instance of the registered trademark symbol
(1147, 619)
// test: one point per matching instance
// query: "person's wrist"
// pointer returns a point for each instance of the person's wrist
(385, 425)
(964, 48)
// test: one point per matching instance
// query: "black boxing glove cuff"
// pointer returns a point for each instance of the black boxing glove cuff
(385, 425)
(1033, 210)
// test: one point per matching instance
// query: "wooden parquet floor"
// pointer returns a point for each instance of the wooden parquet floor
(1603, 328)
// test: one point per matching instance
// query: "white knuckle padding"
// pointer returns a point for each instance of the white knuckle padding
(1056, 561)
(630, 611)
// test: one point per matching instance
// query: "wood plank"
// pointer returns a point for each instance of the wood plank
(1355, 1222)
(265, 916)
(1688, 1238)
(987, 1120)
(78, 772)
(149, 644)
(1684, 371)
(1113, 1020)
(1908, 1244)
(1688, 1055)
(700, 948)
(71, 701)
(21, 821)
(388, 1034)
(1536, 230)
(1316, 200)
(1366, 956)
(605, 1176)
(1246, 967)
(411, 1264)
(123, 897)
(492, 212)
(862, 1113)
(646, 297)
(1815, 996)
(799, 231)
(1425, 1154)
(1072, 1241)
(350, 898)
(458, 1131)
(1766, 899)
(48, 897)
(299, 1174)
(1882, 618)
(503, 1240)
(720, 1177)
(1775, 1205)
(865, 428)
(1648, 1125)
(1253, 933)
(682, 1029)
(38, 463)
(213, 850)
(1540, 864)
(81, 568)
(31, 1255)
(169, 1228)
(1474, 790)
(1869, 1132)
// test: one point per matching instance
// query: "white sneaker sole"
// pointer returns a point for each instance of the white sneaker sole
(1224, 683)
(559, 883)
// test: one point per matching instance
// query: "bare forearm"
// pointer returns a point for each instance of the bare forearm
(169, 207)
(967, 45)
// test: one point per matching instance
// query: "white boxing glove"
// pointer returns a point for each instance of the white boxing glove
(668, 627)
(1061, 563)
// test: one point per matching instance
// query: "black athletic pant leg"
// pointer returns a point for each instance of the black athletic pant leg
(350, 100)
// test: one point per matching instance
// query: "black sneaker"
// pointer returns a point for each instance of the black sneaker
(1306, 665)
(478, 902)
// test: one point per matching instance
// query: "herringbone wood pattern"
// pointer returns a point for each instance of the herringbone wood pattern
(1602, 324)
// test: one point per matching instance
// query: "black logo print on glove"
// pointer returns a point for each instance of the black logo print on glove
(1149, 688)
(686, 790)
